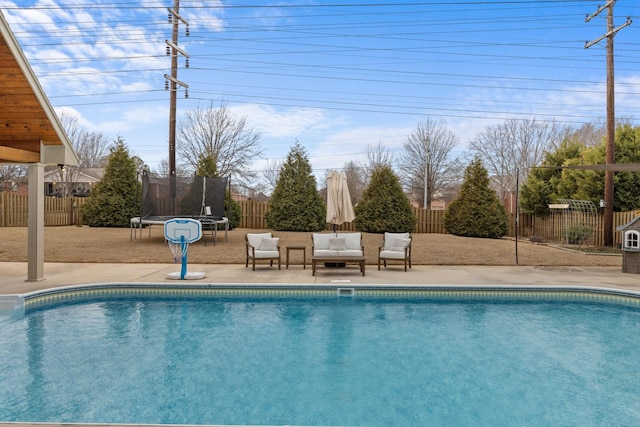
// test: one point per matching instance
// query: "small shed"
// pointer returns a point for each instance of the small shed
(630, 246)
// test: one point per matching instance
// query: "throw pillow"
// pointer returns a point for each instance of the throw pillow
(269, 244)
(399, 245)
(337, 244)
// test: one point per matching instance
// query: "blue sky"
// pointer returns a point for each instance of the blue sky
(334, 75)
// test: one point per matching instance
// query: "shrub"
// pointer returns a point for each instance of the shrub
(383, 205)
(578, 234)
(476, 211)
(114, 200)
(295, 203)
(232, 210)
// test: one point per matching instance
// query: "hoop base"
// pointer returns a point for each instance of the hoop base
(188, 276)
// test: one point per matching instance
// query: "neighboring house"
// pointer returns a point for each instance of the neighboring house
(509, 202)
(439, 202)
(73, 181)
(439, 205)
(15, 186)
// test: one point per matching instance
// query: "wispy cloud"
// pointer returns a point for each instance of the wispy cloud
(282, 123)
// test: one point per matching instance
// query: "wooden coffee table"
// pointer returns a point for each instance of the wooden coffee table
(336, 259)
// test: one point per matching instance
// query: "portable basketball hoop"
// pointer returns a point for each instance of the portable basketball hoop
(180, 233)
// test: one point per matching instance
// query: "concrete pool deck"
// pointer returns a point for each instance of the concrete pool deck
(13, 275)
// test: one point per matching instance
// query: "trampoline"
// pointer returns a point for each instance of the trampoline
(198, 198)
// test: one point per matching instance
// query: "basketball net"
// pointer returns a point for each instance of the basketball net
(179, 249)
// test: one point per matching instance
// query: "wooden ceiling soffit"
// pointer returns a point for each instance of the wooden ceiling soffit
(30, 130)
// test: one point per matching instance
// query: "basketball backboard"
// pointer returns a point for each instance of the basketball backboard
(176, 228)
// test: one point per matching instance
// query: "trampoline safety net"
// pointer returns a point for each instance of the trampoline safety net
(193, 197)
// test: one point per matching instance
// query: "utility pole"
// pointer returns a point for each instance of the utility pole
(172, 82)
(611, 116)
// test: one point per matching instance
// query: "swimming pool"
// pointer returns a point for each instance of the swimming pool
(322, 356)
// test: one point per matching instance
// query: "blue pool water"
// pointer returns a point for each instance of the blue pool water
(319, 361)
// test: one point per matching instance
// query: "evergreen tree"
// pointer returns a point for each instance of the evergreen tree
(206, 166)
(115, 199)
(626, 195)
(295, 203)
(477, 211)
(545, 184)
(383, 205)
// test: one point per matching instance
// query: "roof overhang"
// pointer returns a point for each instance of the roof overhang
(30, 131)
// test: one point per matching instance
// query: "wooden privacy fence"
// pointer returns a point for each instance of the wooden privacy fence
(552, 228)
(57, 210)
(65, 211)
(428, 221)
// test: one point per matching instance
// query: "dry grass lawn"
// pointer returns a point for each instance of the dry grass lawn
(113, 245)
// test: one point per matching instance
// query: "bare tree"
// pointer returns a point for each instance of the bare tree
(377, 155)
(11, 175)
(162, 170)
(427, 159)
(589, 134)
(71, 126)
(356, 179)
(214, 132)
(92, 149)
(513, 146)
(271, 174)
(140, 164)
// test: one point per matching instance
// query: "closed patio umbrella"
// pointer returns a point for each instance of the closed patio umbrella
(339, 207)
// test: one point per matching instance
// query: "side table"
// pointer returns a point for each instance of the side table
(298, 248)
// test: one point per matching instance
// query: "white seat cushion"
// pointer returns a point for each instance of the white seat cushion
(352, 240)
(255, 239)
(269, 244)
(392, 254)
(267, 254)
(324, 252)
(395, 241)
(337, 244)
(321, 241)
(350, 252)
